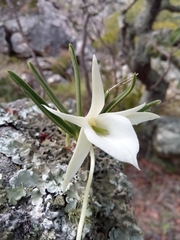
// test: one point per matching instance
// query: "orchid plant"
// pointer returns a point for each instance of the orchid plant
(110, 131)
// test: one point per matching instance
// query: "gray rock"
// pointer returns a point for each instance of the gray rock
(19, 46)
(166, 141)
(44, 62)
(4, 46)
(45, 33)
(55, 78)
(27, 22)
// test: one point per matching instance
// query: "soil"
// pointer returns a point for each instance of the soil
(156, 201)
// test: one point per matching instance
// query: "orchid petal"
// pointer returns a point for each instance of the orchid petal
(128, 112)
(81, 151)
(79, 121)
(139, 117)
(97, 102)
(121, 141)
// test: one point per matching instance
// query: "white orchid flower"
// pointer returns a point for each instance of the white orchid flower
(111, 132)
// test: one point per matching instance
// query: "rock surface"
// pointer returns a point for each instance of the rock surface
(45, 32)
(32, 206)
(166, 141)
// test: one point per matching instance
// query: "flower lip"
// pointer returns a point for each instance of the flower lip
(97, 129)
(121, 141)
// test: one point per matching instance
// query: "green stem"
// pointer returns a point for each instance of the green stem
(67, 140)
(86, 194)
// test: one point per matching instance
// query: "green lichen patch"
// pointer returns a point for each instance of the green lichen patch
(27, 178)
(14, 194)
(3, 199)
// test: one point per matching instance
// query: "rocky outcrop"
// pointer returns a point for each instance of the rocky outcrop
(45, 32)
(33, 160)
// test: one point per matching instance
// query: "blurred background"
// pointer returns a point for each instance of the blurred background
(127, 36)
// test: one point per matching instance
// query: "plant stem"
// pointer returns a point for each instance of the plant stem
(67, 140)
(86, 194)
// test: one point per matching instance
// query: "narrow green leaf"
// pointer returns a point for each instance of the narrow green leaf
(120, 97)
(148, 105)
(77, 80)
(106, 95)
(39, 101)
(47, 89)
(175, 36)
(50, 94)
